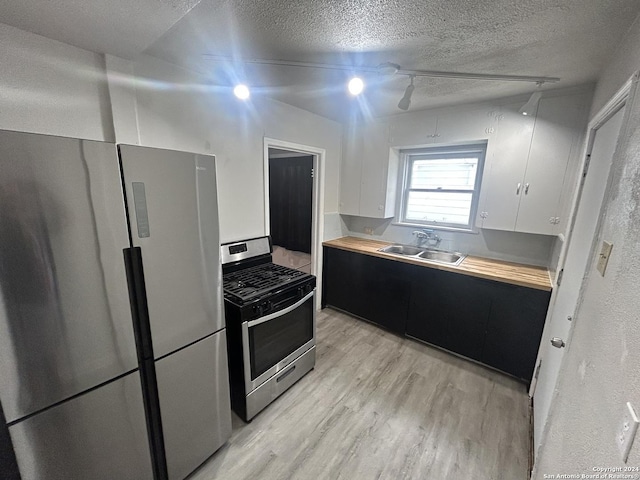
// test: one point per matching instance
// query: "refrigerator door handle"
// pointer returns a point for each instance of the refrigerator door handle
(142, 330)
(138, 300)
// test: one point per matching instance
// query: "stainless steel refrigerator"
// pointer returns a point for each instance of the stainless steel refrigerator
(112, 342)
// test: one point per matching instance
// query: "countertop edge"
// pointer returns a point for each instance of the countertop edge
(462, 268)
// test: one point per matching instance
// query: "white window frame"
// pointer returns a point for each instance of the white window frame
(406, 162)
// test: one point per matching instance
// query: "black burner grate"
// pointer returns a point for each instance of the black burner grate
(253, 282)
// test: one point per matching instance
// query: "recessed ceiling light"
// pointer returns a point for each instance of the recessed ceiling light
(356, 86)
(241, 91)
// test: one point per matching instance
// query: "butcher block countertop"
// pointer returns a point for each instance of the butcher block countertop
(513, 273)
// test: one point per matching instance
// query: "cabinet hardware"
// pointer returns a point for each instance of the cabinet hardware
(526, 188)
(558, 342)
(518, 189)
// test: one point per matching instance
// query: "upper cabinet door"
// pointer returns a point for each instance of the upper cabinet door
(369, 171)
(375, 166)
(173, 215)
(505, 169)
(470, 125)
(66, 323)
(351, 170)
(411, 129)
(555, 136)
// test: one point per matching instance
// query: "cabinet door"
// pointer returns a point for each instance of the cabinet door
(385, 290)
(448, 310)
(515, 328)
(371, 288)
(375, 166)
(341, 280)
(464, 125)
(350, 171)
(556, 133)
(506, 164)
(412, 129)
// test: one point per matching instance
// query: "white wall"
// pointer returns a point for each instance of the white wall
(53, 88)
(174, 109)
(600, 369)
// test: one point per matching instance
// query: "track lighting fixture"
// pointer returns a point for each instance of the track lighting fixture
(530, 107)
(405, 101)
(356, 84)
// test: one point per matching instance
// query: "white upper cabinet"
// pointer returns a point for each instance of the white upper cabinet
(350, 171)
(504, 169)
(527, 166)
(369, 171)
(466, 125)
(559, 128)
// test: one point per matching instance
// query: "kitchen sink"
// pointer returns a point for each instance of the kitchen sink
(444, 257)
(425, 254)
(406, 250)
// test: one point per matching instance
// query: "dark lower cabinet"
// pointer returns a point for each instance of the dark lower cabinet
(372, 288)
(492, 322)
(449, 310)
(515, 328)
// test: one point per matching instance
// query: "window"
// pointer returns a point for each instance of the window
(442, 186)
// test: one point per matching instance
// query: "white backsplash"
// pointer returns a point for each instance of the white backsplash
(509, 246)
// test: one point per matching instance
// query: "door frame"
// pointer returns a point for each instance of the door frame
(621, 98)
(615, 103)
(317, 214)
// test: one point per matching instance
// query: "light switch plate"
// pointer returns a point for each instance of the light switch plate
(603, 259)
(627, 431)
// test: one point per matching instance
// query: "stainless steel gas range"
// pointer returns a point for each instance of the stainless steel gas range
(271, 324)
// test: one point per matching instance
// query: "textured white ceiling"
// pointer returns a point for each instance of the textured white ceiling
(120, 27)
(571, 39)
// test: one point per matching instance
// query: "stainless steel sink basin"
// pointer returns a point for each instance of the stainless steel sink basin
(402, 250)
(426, 254)
(443, 257)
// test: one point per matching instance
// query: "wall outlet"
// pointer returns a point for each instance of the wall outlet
(627, 431)
(603, 259)
(368, 230)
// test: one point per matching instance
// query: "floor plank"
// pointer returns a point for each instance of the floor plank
(378, 406)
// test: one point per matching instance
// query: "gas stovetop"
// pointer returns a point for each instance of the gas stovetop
(254, 282)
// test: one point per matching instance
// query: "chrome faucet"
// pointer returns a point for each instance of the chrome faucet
(427, 236)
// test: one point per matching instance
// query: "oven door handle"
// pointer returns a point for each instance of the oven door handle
(279, 313)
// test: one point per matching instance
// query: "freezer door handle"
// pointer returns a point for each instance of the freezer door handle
(142, 331)
(138, 300)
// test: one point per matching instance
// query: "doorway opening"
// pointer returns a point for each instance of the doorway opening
(291, 208)
(290, 161)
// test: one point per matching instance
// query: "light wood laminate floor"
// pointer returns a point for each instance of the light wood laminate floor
(378, 406)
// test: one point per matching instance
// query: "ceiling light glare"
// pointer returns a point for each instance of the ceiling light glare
(356, 86)
(241, 91)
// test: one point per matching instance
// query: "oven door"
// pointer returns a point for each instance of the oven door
(272, 342)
